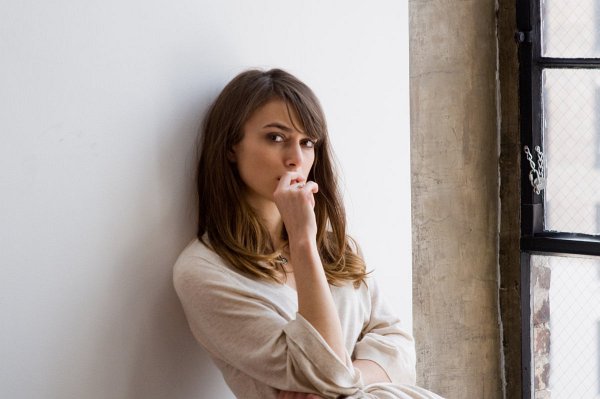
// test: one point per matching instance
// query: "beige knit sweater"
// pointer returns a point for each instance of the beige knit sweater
(253, 333)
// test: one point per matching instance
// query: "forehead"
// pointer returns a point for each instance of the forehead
(275, 111)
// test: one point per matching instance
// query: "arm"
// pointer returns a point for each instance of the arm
(370, 371)
(314, 297)
(385, 343)
(296, 204)
(315, 303)
(237, 324)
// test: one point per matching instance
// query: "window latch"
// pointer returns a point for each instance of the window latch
(523, 37)
(537, 174)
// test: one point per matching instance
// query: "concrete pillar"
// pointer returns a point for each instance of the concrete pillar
(455, 188)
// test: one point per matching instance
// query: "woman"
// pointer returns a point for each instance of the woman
(272, 287)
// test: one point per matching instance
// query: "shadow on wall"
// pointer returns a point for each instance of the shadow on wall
(144, 323)
(167, 358)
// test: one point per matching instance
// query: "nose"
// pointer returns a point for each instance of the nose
(293, 156)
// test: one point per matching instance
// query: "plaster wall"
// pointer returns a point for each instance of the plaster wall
(100, 103)
(454, 161)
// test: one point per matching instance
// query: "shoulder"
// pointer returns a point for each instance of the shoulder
(199, 266)
(364, 294)
(200, 272)
(209, 288)
(194, 251)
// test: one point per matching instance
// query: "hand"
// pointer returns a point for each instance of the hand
(295, 200)
(297, 395)
(370, 371)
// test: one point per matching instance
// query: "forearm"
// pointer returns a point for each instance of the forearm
(370, 371)
(315, 303)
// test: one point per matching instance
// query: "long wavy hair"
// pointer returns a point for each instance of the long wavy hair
(234, 230)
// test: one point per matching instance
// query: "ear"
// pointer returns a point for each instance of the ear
(231, 156)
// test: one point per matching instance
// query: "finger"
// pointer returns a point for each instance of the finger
(286, 179)
(298, 186)
(312, 187)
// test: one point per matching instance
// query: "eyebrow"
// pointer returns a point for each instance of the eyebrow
(279, 126)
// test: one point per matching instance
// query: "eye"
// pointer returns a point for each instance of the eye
(308, 143)
(275, 137)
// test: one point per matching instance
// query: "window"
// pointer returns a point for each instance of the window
(597, 123)
(598, 352)
(559, 55)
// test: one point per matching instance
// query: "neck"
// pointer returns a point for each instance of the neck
(274, 225)
(269, 214)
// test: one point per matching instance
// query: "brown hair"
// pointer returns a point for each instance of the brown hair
(234, 230)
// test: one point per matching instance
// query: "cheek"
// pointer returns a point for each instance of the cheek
(249, 170)
(257, 172)
(248, 160)
(310, 161)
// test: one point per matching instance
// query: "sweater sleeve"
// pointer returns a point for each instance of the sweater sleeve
(385, 342)
(245, 331)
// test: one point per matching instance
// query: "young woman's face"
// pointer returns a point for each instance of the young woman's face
(274, 143)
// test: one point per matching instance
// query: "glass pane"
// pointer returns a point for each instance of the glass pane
(571, 129)
(570, 28)
(566, 327)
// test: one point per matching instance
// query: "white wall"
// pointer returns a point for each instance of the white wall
(99, 108)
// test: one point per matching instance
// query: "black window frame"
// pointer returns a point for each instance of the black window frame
(534, 239)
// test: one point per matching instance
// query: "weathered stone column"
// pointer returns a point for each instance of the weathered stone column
(455, 149)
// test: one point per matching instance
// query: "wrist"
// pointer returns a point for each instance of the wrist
(304, 243)
(304, 255)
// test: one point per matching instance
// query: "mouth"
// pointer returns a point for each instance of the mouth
(294, 180)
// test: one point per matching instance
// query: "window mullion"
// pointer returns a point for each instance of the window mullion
(579, 63)
(530, 86)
